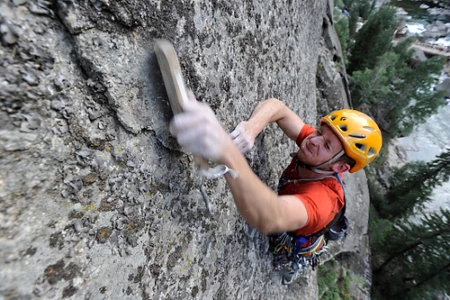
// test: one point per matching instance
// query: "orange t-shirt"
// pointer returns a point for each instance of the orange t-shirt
(323, 199)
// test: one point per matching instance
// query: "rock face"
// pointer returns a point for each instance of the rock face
(436, 30)
(332, 82)
(97, 200)
(444, 85)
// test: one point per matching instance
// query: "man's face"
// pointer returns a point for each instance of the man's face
(319, 147)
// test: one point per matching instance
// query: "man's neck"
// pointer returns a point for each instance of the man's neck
(305, 173)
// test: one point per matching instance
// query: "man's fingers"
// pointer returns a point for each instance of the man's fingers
(242, 146)
(173, 128)
(241, 140)
(241, 149)
(200, 141)
(182, 121)
(238, 141)
(191, 95)
(193, 105)
(190, 105)
(191, 135)
(237, 131)
(234, 134)
(198, 131)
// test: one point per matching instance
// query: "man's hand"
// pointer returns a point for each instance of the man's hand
(242, 137)
(199, 132)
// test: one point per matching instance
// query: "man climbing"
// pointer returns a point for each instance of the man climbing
(309, 194)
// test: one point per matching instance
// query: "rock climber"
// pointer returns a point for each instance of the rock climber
(309, 195)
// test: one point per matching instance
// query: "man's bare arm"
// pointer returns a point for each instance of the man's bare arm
(261, 207)
(199, 132)
(266, 112)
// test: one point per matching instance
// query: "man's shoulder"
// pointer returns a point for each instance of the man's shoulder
(319, 190)
(306, 186)
(304, 132)
(308, 129)
(322, 201)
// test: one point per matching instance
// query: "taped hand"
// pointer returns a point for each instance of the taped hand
(242, 137)
(198, 131)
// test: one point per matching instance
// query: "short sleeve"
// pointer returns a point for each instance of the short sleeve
(306, 130)
(321, 204)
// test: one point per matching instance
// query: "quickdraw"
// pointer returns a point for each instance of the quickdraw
(213, 173)
(217, 171)
(177, 93)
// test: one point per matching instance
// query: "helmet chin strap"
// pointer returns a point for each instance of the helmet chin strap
(318, 169)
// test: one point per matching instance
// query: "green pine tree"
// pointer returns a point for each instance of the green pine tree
(396, 95)
(366, 8)
(417, 259)
(357, 9)
(414, 98)
(373, 39)
(352, 21)
(373, 86)
(341, 26)
(413, 184)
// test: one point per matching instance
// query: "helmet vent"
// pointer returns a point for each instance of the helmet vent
(357, 135)
(369, 128)
(343, 127)
(361, 147)
(333, 118)
(371, 152)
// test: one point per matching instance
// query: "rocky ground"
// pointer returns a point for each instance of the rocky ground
(96, 199)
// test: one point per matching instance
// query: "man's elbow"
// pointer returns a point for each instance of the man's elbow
(268, 228)
(265, 230)
(276, 102)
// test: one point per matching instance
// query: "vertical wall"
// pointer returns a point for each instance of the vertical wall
(96, 199)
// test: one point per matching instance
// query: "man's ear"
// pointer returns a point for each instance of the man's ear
(340, 167)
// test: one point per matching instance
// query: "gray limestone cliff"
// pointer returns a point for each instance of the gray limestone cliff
(97, 201)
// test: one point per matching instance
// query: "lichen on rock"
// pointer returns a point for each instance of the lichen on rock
(90, 177)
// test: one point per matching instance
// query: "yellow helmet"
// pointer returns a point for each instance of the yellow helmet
(358, 133)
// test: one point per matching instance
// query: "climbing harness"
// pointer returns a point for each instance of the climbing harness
(177, 93)
(292, 254)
